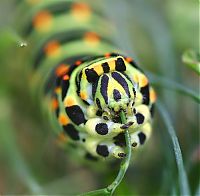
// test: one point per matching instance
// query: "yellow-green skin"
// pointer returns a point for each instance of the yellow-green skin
(81, 83)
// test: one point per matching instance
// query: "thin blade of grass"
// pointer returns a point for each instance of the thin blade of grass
(182, 177)
(198, 190)
(10, 149)
(161, 81)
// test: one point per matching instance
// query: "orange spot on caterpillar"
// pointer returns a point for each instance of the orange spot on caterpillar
(52, 48)
(92, 38)
(81, 11)
(107, 55)
(57, 90)
(63, 120)
(42, 21)
(83, 95)
(54, 104)
(153, 95)
(69, 102)
(129, 59)
(66, 77)
(61, 70)
(143, 80)
(78, 63)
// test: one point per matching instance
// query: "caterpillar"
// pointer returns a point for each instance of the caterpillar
(82, 79)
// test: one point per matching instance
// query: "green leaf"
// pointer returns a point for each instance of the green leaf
(192, 60)
(183, 181)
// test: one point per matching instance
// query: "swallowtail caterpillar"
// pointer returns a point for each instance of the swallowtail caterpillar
(83, 80)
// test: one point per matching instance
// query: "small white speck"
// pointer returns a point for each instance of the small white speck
(23, 44)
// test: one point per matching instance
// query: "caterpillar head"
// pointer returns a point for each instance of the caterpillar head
(106, 86)
(114, 92)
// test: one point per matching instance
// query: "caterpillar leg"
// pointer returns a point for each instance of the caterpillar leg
(103, 149)
(141, 115)
(138, 138)
(110, 150)
(99, 127)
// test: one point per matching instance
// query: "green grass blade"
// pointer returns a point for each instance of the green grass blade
(198, 190)
(183, 181)
(160, 81)
(9, 148)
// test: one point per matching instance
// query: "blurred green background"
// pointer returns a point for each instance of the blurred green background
(156, 33)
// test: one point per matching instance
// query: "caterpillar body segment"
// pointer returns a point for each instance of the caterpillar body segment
(79, 76)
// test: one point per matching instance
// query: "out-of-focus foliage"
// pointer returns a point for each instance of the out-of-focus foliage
(157, 34)
(192, 59)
